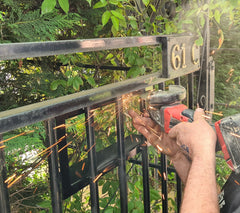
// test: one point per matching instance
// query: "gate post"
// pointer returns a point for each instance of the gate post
(205, 93)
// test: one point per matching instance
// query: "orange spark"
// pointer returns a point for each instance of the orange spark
(214, 113)
(127, 115)
(159, 173)
(207, 117)
(163, 196)
(107, 169)
(1, 147)
(78, 174)
(131, 138)
(60, 126)
(42, 160)
(21, 134)
(109, 131)
(159, 148)
(236, 182)
(83, 166)
(97, 178)
(10, 178)
(64, 146)
(45, 150)
(9, 185)
(234, 134)
(164, 176)
(35, 190)
(87, 152)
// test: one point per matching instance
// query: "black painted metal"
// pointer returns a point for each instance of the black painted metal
(164, 174)
(190, 91)
(64, 168)
(203, 86)
(179, 193)
(4, 197)
(122, 161)
(92, 159)
(56, 194)
(62, 107)
(145, 169)
(23, 116)
(38, 49)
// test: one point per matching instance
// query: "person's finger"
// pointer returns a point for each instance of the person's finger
(132, 113)
(146, 114)
(144, 131)
(198, 114)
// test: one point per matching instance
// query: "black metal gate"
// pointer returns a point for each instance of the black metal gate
(180, 57)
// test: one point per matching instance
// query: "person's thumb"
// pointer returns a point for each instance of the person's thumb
(198, 114)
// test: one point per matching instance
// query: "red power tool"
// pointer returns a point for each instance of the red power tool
(166, 110)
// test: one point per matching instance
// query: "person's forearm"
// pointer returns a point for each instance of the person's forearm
(182, 166)
(200, 193)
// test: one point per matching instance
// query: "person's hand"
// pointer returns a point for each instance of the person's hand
(199, 137)
(152, 132)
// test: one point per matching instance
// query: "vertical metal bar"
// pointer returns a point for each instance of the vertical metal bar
(164, 173)
(177, 81)
(4, 197)
(63, 156)
(145, 170)
(190, 91)
(53, 168)
(93, 160)
(179, 192)
(164, 183)
(203, 87)
(211, 83)
(122, 156)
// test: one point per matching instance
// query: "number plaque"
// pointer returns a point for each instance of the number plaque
(180, 54)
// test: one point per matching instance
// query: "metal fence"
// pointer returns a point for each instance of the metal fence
(178, 58)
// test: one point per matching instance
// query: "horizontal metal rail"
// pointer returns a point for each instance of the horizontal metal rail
(23, 116)
(38, 49)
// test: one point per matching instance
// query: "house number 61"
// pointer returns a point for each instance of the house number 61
(179, 60)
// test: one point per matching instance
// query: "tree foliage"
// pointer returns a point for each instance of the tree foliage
(33, 80)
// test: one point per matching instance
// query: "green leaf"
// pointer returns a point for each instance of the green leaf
(109, 56)
(48, 6)
(90, 80)
(1, 17)
(117, 14)
(154, 195)
(64, 4)
(89, 2)
(114, 2)
(217, 16)
(115, 22)
(109, 210)
(106, 187)
(134, 24)
(153, 8)
(99, 5)
(134, 72)
(105, 17)
(205, 7)
(146, 2)
(199, 41)
(54, 85)
(77, 81)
